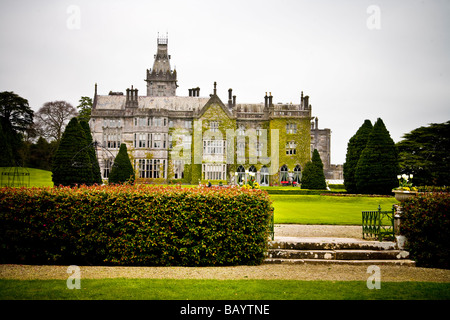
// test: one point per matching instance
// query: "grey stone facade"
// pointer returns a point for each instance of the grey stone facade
(147, 125)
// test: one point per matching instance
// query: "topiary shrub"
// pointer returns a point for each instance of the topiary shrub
(72, 164)
(313, 176)
(355, 147)
(426, 225)
(377, 168)
(122, 170)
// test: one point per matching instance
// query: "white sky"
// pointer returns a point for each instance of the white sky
(399, 72)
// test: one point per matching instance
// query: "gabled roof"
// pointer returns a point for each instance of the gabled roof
(215, 100)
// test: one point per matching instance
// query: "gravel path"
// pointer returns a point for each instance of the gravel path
(332, 272)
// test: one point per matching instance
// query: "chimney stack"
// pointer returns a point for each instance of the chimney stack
(266, 103)
(270, 99)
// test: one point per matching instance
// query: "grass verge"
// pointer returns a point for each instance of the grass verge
(169, 289)
(37, 178)
(330, 210)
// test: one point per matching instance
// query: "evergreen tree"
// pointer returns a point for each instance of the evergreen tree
(425, 152)
(378, 167)
(72, 164)
(41, 154)
(96, 174)
(313, 176)
(122, 170)
(6, 157)
(355, 147)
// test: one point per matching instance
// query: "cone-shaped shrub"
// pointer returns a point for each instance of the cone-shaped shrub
(313, 176)
(96, 175)
(122, 170)
(355, 147)
(71, 163)
(378, 167)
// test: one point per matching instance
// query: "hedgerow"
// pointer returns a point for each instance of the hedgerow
(426, 225)
(134, 225)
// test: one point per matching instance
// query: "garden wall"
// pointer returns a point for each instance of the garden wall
(134, 225)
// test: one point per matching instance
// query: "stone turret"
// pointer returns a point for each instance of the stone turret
(161, 80)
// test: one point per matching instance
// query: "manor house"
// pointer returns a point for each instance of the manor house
(194, 138)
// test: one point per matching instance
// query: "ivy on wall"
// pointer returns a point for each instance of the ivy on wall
(226, 125)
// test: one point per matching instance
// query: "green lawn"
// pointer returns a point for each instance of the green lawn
(334, 210)
(169, 289)
(37, 178)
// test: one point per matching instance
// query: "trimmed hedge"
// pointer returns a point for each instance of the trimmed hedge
(426, 225)
(134, 226)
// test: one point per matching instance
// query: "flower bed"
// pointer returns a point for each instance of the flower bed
(134, 225)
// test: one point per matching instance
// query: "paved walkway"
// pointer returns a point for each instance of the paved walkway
(318, 231)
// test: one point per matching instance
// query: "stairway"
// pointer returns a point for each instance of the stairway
(290, 250)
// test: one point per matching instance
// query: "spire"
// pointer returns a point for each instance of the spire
(162, 57)
(161, 80)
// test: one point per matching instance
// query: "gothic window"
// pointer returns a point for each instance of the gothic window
(297, 174)
(107, 165)
(264, 176)
(241, 149)
(291, 128)
(241, 130)
(157, 140)
(111, 139)
(157, 122)
(214, 147)
(259, 146)
(178, 169)
(214, 126)
(214, 171)
(291, 148)
(240, 175)
(284, 173)
(252, 173)
(142, 140)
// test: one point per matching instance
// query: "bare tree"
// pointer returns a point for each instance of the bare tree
(53, 117)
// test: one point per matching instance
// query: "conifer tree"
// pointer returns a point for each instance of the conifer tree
(378, 166)
(6, 157)
(96, 174)
(72, 165)
(355, 147)
(313, 176)
(122, 170)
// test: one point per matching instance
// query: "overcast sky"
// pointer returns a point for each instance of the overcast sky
(356, 59)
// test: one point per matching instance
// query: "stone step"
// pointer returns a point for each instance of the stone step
(338, 254)
(401, 262)
(329, 244)
(287, 250)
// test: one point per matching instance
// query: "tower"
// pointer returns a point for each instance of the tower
(161, 80)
